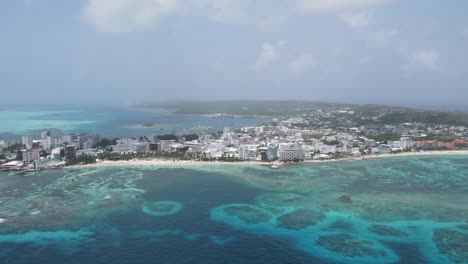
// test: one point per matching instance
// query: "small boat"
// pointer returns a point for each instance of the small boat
(274, 166)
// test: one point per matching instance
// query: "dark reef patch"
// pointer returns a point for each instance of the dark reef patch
(453, 244)
(248, 213)
(349, 246)
(384, 230)
(345, 199)
(342, 225)
(300, 219)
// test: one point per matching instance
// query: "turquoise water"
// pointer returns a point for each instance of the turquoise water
(108, 122)
(395, 210)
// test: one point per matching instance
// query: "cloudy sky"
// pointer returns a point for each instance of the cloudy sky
(382, 51)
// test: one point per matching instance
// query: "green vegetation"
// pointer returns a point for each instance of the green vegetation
(384, 137)
(426, 117)
(167, 137)
(243, 108)
(190, 137)
(14, 148)
(362, 114)
(441, 138)
(83, 159)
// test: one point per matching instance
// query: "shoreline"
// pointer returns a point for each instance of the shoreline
(184, 163)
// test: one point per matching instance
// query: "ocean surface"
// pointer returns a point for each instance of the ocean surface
(393, 210)
(108, 121)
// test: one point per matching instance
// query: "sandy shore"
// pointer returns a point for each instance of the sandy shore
(187, 163)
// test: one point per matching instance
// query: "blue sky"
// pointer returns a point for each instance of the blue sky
(123, 51)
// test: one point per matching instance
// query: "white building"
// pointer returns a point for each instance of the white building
(88, 152)
(166, 144)
(129, 145)
(290, 152)
(47, 143)
(309, 152)
(57, 153)
(248, 152)
(231, 152)
(31, 155)
(13, 165)
(27, 141)
(406, 143)
(394, 144)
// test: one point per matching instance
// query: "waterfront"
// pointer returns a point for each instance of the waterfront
(109, 121)
(389, 210)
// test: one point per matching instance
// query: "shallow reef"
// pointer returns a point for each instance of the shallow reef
(161, 208)
(453, 244)
(62, 199)
(352, 212)
(281, 200)
(343, 212)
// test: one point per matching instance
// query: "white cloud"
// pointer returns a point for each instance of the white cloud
(366, 60)
(381, 37)
(336, 5)
(224, 11)
(271, 22)
(338, 51)
(121, 16)
(424, 60)
(358, 19)
(302, 63)
(269, 54)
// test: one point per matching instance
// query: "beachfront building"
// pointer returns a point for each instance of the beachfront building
(88, 152)
(231, 152)
(272, 152)
(57, 153)
(309, 152)
(268, 153)
(129, 145)
(12, 165)
(290, 152)
(166, 145)
(406, 143)
(248, 152)
(194, 146)
(31, 155)
(70, 152)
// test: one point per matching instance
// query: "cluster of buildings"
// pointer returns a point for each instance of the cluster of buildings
(316, 135)
(264, 143)
(47, 151)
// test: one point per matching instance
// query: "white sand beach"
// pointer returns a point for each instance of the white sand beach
(187, 163)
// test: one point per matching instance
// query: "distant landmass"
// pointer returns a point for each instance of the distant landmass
(361, 113)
